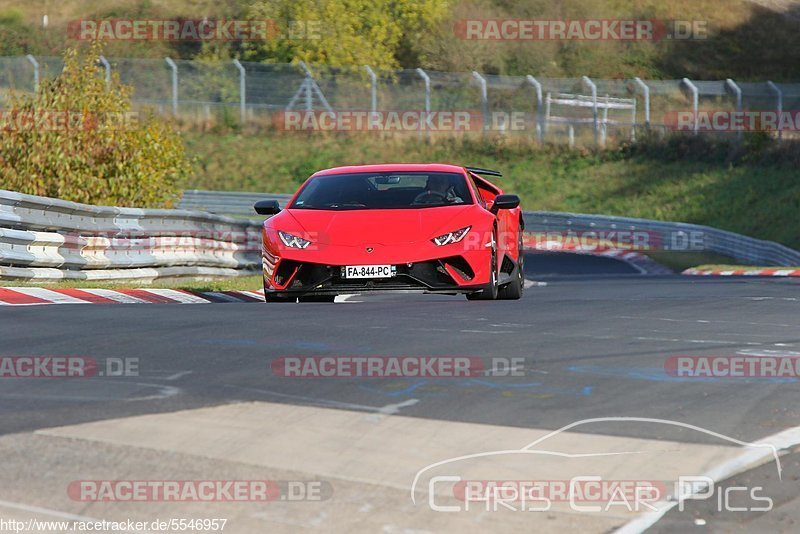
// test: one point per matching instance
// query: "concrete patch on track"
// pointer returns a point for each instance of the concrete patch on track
(384, 452)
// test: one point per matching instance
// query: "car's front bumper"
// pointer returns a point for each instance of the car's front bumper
(444, 275)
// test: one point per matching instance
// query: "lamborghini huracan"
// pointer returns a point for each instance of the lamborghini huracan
(430, 228)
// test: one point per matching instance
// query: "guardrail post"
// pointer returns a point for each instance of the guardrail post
(695, 103)
(107, 67)
(779, 94)
(35, 64)
(174, 69)
(539, 122)
(593, 87)
(242, 91)
(738, 92)
(373, 89)
(484, 99)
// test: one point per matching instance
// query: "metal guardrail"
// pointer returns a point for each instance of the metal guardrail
(227, 203)
(669, 236)
(47, 238)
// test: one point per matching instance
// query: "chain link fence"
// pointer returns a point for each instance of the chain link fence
(575, 110)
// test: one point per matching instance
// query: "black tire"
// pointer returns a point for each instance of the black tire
(489, 292)
(514, 289)
(317, 298)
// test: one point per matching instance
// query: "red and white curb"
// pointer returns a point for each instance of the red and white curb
(743, 272)
(31, 296)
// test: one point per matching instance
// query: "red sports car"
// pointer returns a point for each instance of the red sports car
(401, 228)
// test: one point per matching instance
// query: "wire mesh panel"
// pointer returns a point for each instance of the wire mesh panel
(150, 79)
(207, 89)
(401, 90)
(272, 87)
(16, 75)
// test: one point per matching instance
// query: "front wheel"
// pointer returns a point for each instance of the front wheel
(489, 292)
(514, 289)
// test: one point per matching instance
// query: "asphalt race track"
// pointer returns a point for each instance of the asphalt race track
(593, 345)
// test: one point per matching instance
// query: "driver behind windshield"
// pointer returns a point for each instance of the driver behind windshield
(438, 189)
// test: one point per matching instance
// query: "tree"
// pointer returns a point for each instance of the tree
(77, 138)
(344, 32)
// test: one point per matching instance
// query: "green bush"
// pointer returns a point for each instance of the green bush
(77, 138)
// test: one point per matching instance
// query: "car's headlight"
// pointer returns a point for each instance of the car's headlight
(452, 237)
(292, 241)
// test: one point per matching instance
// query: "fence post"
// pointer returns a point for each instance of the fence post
(738, 92)
(427, 79)
(484, 99)
(307, 82)
(779, 95)
(695, 103)
(374, 88)
(539, 123)
(593, 87)
(35, 64)
(646, 93)
(174, 69)
(242, 93)
(107, 67)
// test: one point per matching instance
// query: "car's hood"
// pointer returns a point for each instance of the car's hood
(384, 227)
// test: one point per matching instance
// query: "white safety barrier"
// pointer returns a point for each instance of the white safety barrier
(46, 238)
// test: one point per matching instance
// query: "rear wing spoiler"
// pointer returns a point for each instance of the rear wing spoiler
(487, 172)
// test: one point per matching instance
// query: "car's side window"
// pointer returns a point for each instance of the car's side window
(477, 191)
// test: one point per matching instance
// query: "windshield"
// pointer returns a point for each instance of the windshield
(388, 190)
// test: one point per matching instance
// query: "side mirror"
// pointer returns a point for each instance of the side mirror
(267, 207)
(505, 202)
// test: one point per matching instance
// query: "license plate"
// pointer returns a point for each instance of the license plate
(369, 271)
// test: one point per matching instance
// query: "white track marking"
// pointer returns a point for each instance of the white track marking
(326, 403)
(115, 295)
(768, 353)
(390, 409)
(179, 296)
(715, 341)
(49, 295)
(702, 321)
(178, 375)
(346, 298)
(750, 458)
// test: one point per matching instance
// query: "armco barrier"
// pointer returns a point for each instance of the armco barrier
(672, 236)
(668, 236)
(45, 238)
(225, 202)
